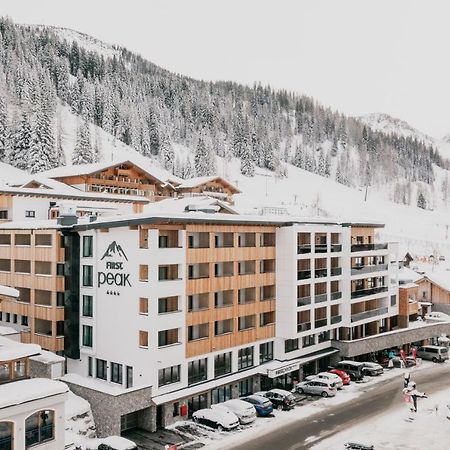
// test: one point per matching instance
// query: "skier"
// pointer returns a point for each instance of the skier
(407, 379)
(415, 394)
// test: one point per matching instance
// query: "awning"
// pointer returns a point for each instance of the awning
(277, 368)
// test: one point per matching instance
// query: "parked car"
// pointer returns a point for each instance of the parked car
(336, 379)
(262, 404)
(220, 418)
(280, 398)
(344, 376)
(398, 362)
(353, 368)
(433, 353)
(372, 369)
(437, 316)
(325, 388)
(245, 412)
(119, 442)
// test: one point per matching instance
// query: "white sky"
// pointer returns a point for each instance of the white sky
(358, 56)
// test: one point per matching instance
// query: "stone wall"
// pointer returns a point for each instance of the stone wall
(349, 349)
(39, 369)
(108, 409)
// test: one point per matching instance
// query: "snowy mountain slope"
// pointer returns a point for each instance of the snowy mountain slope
(391, 125)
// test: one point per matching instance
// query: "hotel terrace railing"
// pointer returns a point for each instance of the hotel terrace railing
(303, 301)
(318, 248)
(358, 270)
(366, 292)
(336, 295)
(335, 319)
(368, 247)
(367, 314)
(303, 327)
(319, 298)
(320, 323)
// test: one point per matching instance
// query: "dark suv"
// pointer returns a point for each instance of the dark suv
(353, 368)
(280, 398)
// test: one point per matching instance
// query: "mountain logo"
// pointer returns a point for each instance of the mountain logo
(114, 249)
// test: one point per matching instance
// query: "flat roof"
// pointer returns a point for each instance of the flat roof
(10, 350)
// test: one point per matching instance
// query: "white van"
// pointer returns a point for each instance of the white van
(433, 353)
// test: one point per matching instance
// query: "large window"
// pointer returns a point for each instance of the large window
(102, 370)
(222, 364)
(88, 276)
(39, 428)
(87, 246)
(245, 358)
(116, 373)
(87, 336)
(168, 375)
(197, 371)
(290, 345)
(87, 305)
(246, 387)
(266, 352)
(221, 394)
(6, 435)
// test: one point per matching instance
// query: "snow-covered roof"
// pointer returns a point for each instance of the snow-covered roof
(10, 349)
(47, 357)
(32, 224)
(191, 183)
(9, 291)
(442, 280)
(24, 391)
(8, 331)
(89, 169)
(405, 274)
(11, 175)
(48, 183)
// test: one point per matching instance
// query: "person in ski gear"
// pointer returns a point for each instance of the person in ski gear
(415, 394)
(407, 379)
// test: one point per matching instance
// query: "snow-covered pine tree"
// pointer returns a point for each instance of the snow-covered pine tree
(4, 133)
(247, 164)
(204, 162)
(82, 153)
(166, 153)
(20, 149)
(421, 201)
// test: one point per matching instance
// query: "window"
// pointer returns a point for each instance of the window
(43, 240)
(245, 358)
(23, 239)
(8, 317)
(88, 276)
(169, 375)
(87, 246)
(30, 213)
(129, 377)
(266, 352)
(167, 337)
(222, 364)
(116, 373)
(87, 336)
(290, 345)
(167, 305)
(6, 433)
(89, 366)
(22, 266)
(197, 371)
(143, 272)
(24, 321)
(163, 241)
(20, 369)
(42, 268)
(87, 305)
(176, 409)
(60, 328)
(14, 318)
(60, 269)
(143, 339)
(3, 214)
(221, 394)
(101, 369)
(308, 340)
(60, 297)
(393, 300)
(246, 387)
(5, 265)
(39, 428)
(143, 305)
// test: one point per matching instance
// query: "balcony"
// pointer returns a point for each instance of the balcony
(319, 298)
(368, 247)
(366, 292)
(321, 248)
(304, 301)
(303, 274)
(320, 273)
(335, 271)
(336, 295)
(303, 327)
(335, 319)
(336, 248)
(359, 270)
(368, 314)
(320, 323)
(304, 248)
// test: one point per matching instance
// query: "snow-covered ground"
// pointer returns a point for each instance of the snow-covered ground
(215, 440)
(429, 429)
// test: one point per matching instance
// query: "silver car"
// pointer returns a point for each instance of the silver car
(324, 388)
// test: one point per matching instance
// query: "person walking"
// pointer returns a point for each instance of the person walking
(406, 379)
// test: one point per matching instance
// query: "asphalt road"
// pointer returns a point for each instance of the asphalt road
(384, 396)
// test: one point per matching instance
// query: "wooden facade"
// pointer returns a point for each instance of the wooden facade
(36, 261)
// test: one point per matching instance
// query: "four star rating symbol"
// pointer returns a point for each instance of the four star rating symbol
(112, 293)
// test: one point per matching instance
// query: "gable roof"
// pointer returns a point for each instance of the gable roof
(191, 183)
(439, 279)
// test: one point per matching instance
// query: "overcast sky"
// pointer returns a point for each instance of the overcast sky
(358, 56)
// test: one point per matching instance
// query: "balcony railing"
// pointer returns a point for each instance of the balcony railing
(367, 314)
(368, 247)
(335, 271)
(303, 327)
(319, 298)
(358, 270)
(303, 301)
(320, 323)
(336, 295)
(303, 248)
(303, 274)
(320, 273)
(336, 248)
(321, 248)
(335, 319)
(365, 292)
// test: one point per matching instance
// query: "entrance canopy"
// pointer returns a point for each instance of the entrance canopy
(277, 368)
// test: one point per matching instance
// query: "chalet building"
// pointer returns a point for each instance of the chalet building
(213, 186)
(435, 290)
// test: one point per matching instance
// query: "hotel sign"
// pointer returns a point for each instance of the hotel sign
(273, 373)
(114, 273)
